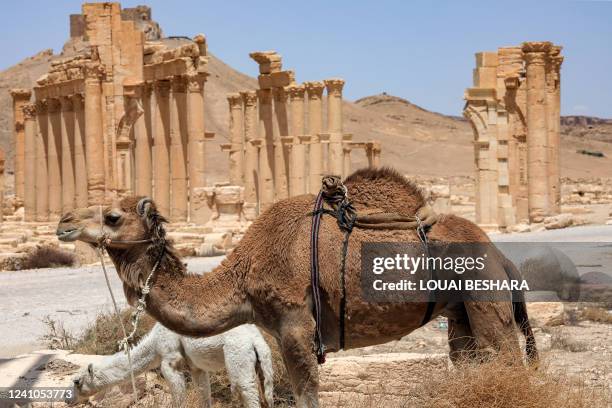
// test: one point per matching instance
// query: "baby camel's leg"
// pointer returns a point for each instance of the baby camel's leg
(297, 346)
(240, 360)
(171, 372)
(202, 381)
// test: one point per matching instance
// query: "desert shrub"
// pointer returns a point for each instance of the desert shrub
(57, 336)
(104, 334)
(564, 341)
(47, 256)
(596, 314)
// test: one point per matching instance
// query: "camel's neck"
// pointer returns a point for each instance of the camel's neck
(189, 304)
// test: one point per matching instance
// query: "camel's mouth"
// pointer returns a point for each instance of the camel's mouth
(68, 235)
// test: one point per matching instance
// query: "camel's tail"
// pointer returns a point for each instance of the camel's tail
(264, 370)
(520, 314)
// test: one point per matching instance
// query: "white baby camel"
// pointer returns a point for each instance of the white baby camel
(239, 350)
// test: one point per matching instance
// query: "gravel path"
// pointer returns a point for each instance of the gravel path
(73, 296)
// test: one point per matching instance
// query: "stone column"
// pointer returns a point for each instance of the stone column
(178, 152)
(236, 148)
(282, 146)
(297, 181)
(79, 143)
(376, 151)
(29, 171)
(20, 98)
(334, 124)
(2, 183)
(67, 128)
(346, 155)
(537, 133)
(251, 173)
(161, 142)
(54, 159)
(315, 127)
(94, 136)
(198, 208)
(266, 154)
(142, 147)
(554, 125)
(42, 181)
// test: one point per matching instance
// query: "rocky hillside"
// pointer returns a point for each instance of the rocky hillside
(415, 140)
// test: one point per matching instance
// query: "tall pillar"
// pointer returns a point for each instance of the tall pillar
(315, 127)
(251, 172)
(42, 181)
(346, 155)
(297, 181)
(161, 142)
(80, 163)
(236, 150)
(282, 146)
(20, 98)
(54, 161)
(334, 124)
(537, 132)
(2, 183)
(266, 154)
(178, 151)
(553, 69)
(67, 129)
(376, 151)
(142, 147)
(29, 171)
(94, 135)
(199, 211)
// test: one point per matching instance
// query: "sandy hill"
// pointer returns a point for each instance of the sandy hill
(415, 140)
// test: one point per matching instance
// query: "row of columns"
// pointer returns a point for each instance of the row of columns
(277, 152)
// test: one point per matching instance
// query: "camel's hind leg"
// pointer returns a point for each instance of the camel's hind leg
(461, 340)
(297, 347)
(492, 324)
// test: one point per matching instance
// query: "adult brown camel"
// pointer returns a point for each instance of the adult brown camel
(266, 279)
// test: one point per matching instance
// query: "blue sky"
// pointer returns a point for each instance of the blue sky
(420, 50)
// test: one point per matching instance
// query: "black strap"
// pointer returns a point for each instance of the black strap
(314, 276)
(422, 233)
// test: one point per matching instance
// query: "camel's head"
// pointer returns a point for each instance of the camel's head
(132, 219)
(87, 382)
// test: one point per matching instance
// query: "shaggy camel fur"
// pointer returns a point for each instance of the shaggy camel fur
(266, 279)
(240, 350)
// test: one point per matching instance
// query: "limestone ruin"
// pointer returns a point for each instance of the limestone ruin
(514, 109)
(279, 146)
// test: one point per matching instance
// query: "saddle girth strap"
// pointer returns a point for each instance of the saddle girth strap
(314, 276)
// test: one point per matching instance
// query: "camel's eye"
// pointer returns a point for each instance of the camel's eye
(112, 218)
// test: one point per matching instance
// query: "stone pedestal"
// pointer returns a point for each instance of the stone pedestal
(29, 194)
(226, 202)
(537, 136)
(20, 98)
(161, 145)
(236, 145)
(334, 124)
(178, 150)
(315, 127)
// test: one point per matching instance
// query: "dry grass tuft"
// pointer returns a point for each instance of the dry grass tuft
(57, 336)
(564, 341)
(48, 256)
(104, 334)
(596, 314)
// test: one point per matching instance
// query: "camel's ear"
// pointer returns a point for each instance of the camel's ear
(143, 206)
(90, 369)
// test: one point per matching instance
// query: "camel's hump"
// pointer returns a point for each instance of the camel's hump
(383, 189)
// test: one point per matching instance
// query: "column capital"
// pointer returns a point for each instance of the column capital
(195, 83)
(53, 105)
(66, 103)
(41, 106)
(180, 84)
(162, 87)
(234, 100)
(314, 89)
(77, 100)
(264, 96)
(249, 98)
(334, 86)
(268, 61)
(29, 111)
(535, 52)
(20, 94)
(296, 92)
(93, 71)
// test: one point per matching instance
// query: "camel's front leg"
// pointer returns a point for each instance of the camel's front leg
(176, 379)
(297, 347)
